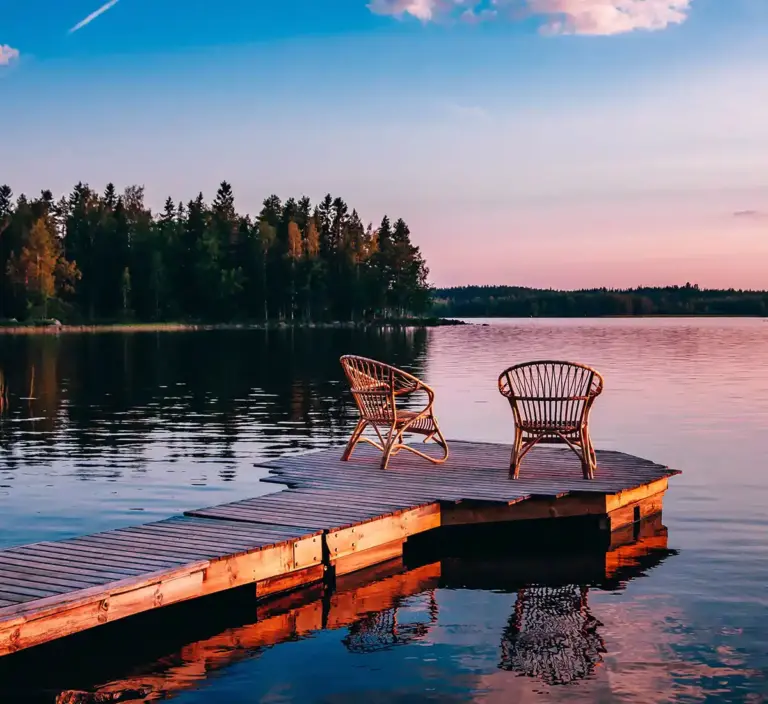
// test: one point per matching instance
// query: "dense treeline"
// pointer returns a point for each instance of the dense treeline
(514, 302)
(90, 257)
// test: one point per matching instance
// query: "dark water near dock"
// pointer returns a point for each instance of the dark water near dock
(106, 430)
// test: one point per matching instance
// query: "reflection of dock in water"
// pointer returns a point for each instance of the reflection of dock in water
(550, 635)
(630, 552)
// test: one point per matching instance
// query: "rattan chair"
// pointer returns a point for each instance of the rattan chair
(551, 402)
(377, 388)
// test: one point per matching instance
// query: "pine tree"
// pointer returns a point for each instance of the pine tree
(126, 291)
(266, 239)
(110, 196)
(6, 250)
(83, 216)
(34, 268)
(295, 247)
(226, 223)
(383, 265)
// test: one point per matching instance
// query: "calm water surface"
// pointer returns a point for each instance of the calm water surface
(106, 430)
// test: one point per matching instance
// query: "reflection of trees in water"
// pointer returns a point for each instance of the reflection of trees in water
(106, 391)
(3, 392)
(29, 389)
(381, 630)
(552, 635)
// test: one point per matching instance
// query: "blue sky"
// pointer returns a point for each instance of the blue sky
(540, 142)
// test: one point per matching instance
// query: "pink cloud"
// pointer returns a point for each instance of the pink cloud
(7, 54)
(751, 214)
(591, 17)
(424, 10)
(604, 17)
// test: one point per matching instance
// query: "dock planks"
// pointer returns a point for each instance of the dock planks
(334, 515)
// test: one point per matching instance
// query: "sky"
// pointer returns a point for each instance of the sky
(552, 143)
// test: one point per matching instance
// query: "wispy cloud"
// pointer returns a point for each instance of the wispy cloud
(750, 214)
(7, 54)
(467, 112)
(94, 15)
(595, 17)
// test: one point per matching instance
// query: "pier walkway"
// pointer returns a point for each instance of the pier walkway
(335, 517)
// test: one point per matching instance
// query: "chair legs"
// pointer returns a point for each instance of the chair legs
(392, 442)
(582, 447)
(517, 454)
(588, 456)
(395, 444)
(437, 436)
(361, 425)
(389, 450)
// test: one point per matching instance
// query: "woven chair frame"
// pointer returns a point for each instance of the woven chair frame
(376, 388)
(551, 403)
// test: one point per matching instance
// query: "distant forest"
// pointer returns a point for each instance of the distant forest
(91, 257)
(517, 302)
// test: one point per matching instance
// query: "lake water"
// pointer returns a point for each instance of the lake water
(105, 430)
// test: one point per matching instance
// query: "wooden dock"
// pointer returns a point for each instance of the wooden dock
(333, 519)
(194, 644)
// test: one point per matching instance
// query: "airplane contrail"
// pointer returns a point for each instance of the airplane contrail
(94, 15)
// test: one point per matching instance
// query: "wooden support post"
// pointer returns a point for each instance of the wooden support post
(635, 512)
(365, 544)
(291, 581)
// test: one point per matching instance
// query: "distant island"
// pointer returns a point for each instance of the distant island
(519, 302)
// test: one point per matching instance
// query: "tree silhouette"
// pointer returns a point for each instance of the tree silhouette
(108, 257)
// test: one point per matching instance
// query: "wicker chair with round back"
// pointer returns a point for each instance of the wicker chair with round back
(551, 403)
(380, 391)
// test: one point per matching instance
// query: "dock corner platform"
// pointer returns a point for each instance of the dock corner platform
(333, 518)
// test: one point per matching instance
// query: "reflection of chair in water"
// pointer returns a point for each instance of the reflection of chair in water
(382, 629)
(552, 635)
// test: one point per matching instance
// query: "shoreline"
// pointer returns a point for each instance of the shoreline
(52, 329)
(430, 322)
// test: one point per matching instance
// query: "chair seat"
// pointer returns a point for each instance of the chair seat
(540, 426)
(423, 425)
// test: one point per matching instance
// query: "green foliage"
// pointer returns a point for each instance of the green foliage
(517, 302)
(93, 258)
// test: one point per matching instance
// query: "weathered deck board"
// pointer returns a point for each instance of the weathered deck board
(474, 471)
(300, 510)
(123, 553)
(339, 515)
